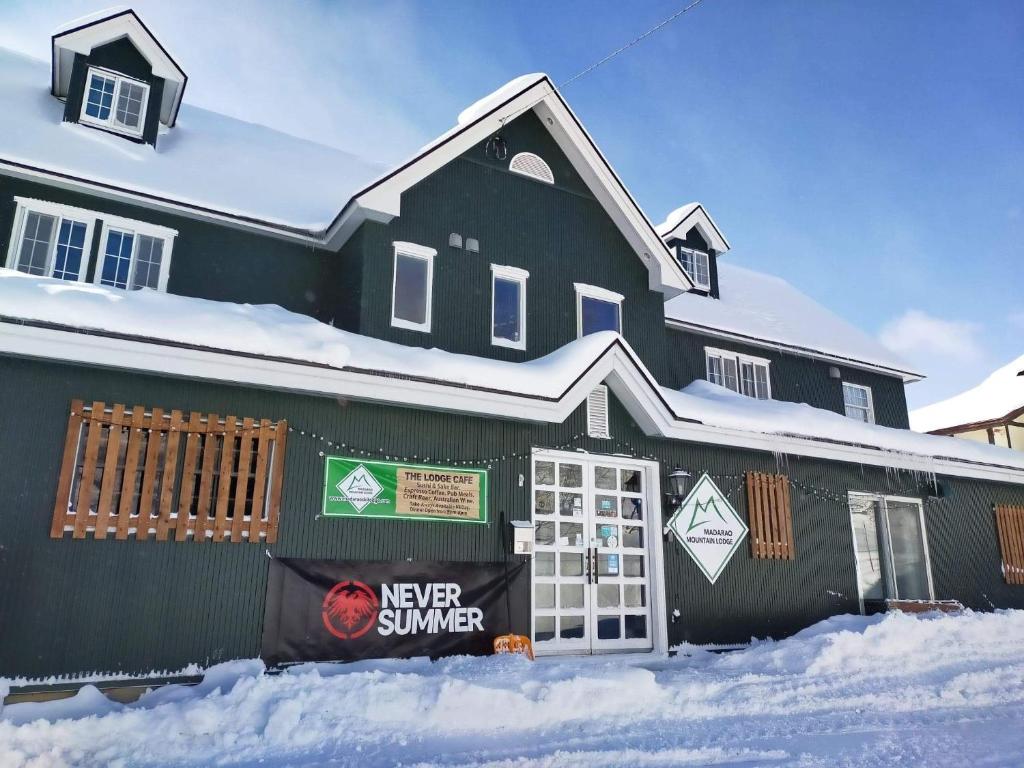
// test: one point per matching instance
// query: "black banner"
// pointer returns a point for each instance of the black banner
(323, 610)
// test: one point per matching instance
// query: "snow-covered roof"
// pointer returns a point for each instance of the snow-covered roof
(560, 380)
(686, 217)
(758, 308)
(208, 160)
(998, 396)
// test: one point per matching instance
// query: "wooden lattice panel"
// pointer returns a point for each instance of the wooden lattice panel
(1010, 524)
(771, 520)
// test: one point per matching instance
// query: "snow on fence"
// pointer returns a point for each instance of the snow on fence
(1010, 522)
(771, 519)
(120, 475)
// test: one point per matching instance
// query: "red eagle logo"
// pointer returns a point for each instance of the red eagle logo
(350, 610)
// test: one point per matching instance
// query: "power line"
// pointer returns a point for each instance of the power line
(610, 56)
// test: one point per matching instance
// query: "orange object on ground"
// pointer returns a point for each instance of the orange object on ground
(514, 644)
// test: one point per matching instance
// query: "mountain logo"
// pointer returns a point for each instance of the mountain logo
(708, 528)
(350, 609)
(359, 488)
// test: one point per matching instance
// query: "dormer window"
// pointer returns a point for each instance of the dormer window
(115, 102)
(697, 265)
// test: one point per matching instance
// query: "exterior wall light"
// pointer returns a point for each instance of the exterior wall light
(678, 482)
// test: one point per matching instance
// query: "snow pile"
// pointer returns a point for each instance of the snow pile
(272, 331)
(998, 395)
(720, 407)
(674, 219)
(765, 307)
(207, 159)
(512, 88)
(884, 690)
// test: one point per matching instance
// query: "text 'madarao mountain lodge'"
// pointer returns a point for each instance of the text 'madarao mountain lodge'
(265, 398)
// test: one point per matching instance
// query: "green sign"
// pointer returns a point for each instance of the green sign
(354, 488)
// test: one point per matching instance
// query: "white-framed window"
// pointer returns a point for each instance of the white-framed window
(134, 254)
(697, 266)
(50, 240)
(597, 309)
(508, 306)
(412, 286)
(750, 376)
(114, 101)
(891, 547)
(858, 403)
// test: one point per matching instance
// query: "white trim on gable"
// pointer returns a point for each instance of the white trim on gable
(690, 216)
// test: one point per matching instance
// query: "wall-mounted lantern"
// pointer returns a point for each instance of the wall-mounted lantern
(678, 485)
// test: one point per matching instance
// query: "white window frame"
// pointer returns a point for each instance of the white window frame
(871, 401)
(26, 205)
(710, 352)
(600, 294)
(883, 498)
(694, 253)
(111, 123)
(516, 275)
(134, 228)
(414, 251)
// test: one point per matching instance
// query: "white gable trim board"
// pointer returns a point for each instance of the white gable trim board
(616, 366)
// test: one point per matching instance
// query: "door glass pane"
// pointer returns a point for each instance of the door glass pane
(570, 475)
(636, 627)
(544, 503)
(608, 565)
(631, 480)
(634, 596)
(545, 628)
(598, 315)
(607, 535)
(544, 533)
(570, 563)
(604, 478)
(571, 627)
(633, 565)
(909, 564)
(544, 595)
(544, 473)
(544, 564)
(570, 595)
(570, 534)
(605, 506)
(632, 536)
(608, 627)
(570, 504)
(35, 243)
(506, 309)
(607, 595)
(864, 517)
(632, 509)
(411, 274)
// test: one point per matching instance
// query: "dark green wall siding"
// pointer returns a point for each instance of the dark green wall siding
(210, 261)
(794, 378)
(559, 233)
(78, 606)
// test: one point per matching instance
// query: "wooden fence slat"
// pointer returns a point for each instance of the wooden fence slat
(1011, 555)
(1004, 546)
(92, 447)
(188, 475)
(155, 424)
(754, 513)
(109, 479)
(131, 466)
(61, 507)
(260, 484)
(778, 538)
(787, 519)
(227, 456)
(206, 478)
(242, 483)
(1015, 530)
(166, 522)
(765, 506)
(277, 478)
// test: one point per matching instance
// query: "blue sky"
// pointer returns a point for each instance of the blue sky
(872, 153)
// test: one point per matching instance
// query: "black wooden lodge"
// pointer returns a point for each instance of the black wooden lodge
(480, 351)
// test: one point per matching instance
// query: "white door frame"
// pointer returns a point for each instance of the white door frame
(653, 531)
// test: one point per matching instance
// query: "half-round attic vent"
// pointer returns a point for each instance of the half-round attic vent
(530, 165)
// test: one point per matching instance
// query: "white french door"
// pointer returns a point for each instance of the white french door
(592, 563)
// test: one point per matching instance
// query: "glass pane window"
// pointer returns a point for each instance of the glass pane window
(36, 239)
(508, 303)
(909, 560)
(117, 258)
(745, 375)
(889, 543)
(598, 315)
(100, 96)
(857, 402)
(411, 300)
(67, 264)
(147, 262)
(696, 264)
(129, 104)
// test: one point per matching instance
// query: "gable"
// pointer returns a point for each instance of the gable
(123, 57)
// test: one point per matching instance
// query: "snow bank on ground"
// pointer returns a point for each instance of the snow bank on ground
(766, 307)
(995, 397)
(884, 690)
(272, 331)
(720, 407)
(207, 159)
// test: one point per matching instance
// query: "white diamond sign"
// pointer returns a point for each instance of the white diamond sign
(708, 527)
(359, 487)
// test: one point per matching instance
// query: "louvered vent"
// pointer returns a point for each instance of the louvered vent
(597, 412)
(530, 165)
